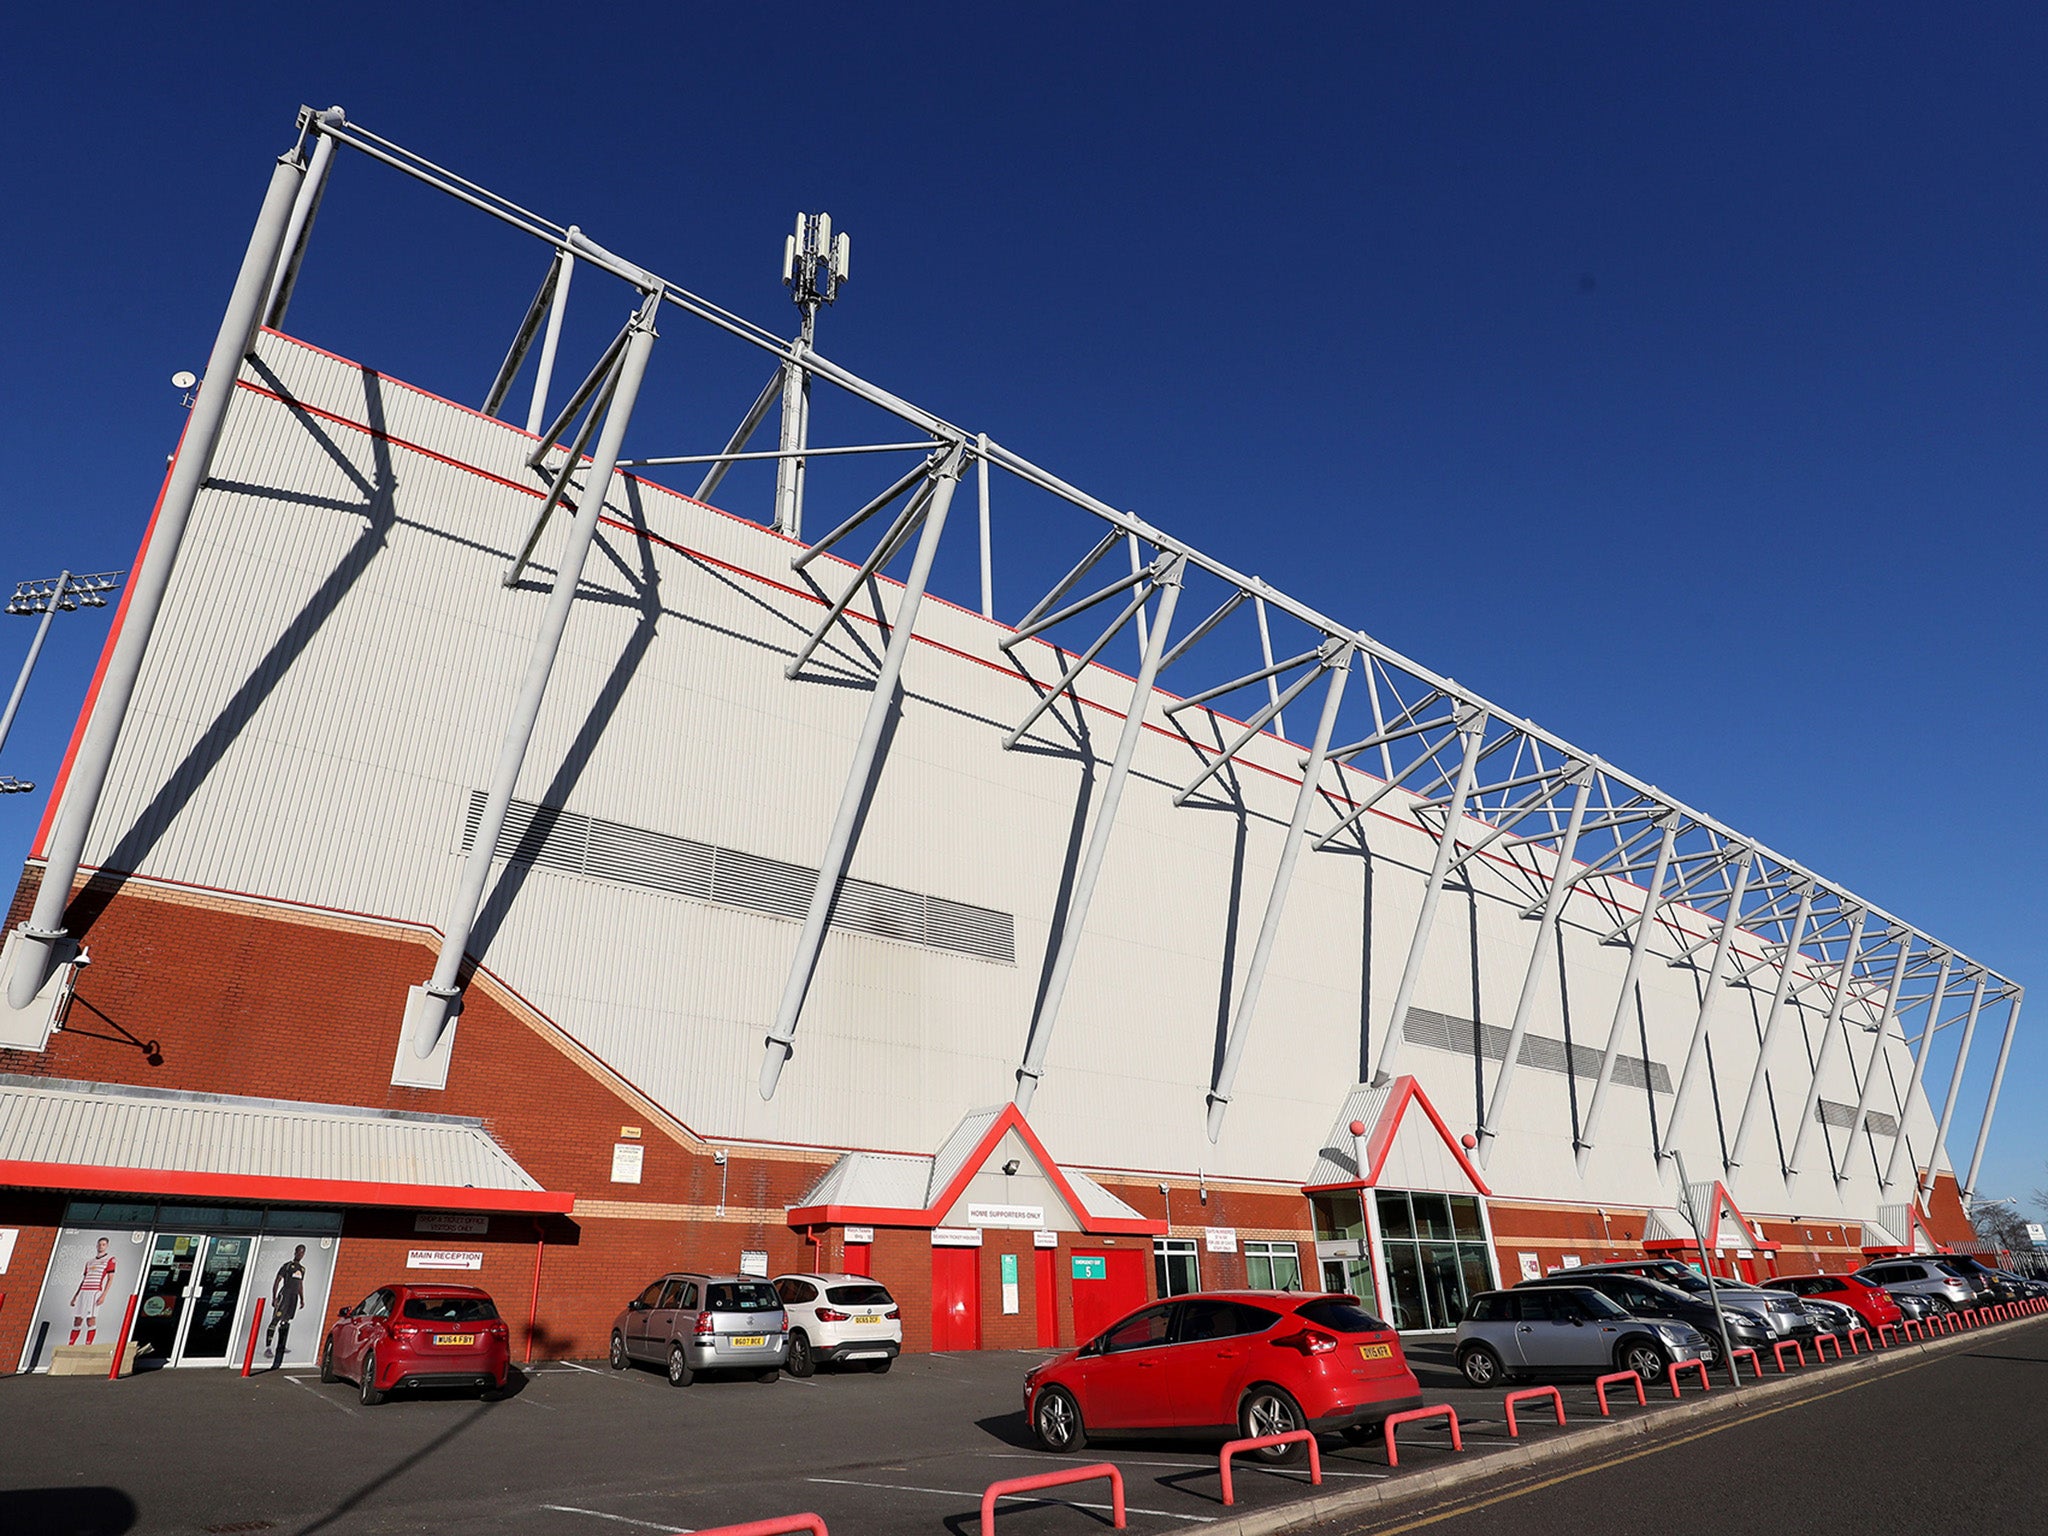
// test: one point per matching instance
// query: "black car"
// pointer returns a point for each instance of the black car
(1993, 1286)
(1640, 1296)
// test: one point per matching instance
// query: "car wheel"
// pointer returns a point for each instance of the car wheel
(801, 1361)
(1481, 1366)
(1939, 1306)
(881, 1367)
(1056, 1421)
(368, 1382)
(619, 1358)
(327, 1375)
(1270, 1410)
(1644, 1358)
(679, 1372)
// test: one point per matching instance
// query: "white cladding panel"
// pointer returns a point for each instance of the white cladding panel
(328, 684)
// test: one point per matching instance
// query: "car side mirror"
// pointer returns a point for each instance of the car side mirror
(636, 1305)
(344, 1312)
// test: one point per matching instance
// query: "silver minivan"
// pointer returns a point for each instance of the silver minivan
(702, 1322)
(1553, 1331)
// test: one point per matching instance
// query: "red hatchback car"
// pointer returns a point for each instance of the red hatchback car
(418, 1336)
(1874, 1302)
(1226, 1363)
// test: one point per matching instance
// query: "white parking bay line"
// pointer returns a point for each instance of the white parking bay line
(299, 1381)
(598, 1514)
(1184, 1466)
(1025, 1498)
(588, 1371)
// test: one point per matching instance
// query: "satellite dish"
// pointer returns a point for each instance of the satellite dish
(184, 379)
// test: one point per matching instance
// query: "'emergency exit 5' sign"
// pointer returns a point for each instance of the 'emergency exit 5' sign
(1090, 1266)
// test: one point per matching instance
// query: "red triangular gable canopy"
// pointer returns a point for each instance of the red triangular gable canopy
(919, 1191)
(1718, 1203)
(1382, 1122)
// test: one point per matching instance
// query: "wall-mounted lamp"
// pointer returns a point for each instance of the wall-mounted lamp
(1010, 1168)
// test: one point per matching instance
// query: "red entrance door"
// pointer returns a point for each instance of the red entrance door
(956, 1298)
(1045, 1295)
(1108, 1283)
(855, 1258)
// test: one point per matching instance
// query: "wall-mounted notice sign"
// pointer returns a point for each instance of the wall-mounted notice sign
(1090, 1266)
(443, 1258)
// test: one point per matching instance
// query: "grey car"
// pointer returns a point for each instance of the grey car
(703, 1322)
(1552, 1331)
(1945, 1290)
(1780, 1313)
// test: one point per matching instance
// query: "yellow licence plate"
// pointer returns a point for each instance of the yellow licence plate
(454, 1338)
(872, 1317)
(749, 1340)
(1375, 1351)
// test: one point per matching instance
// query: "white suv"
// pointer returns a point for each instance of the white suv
(835, 1318)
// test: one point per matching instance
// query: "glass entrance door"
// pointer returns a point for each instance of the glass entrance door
(210, 1319)
(161, 1309)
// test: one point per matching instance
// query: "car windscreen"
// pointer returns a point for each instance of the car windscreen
(859, 1296)
(1597, 1305)
(450, 1309)
(741, 1298)
(1340, 1314)
(1690, 1281)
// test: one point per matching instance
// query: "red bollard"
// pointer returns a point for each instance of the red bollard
(255, 1327)
(1602, 1383)
(1796, 1348)
(1756, 1366)
(1232, 1447)
(1530, 1394)
(1820, 1354)
(121, 1343)
(1671, 1374)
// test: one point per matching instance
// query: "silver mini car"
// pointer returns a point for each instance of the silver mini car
(701, 1322)
(1567, 1330)
(1945, 1290)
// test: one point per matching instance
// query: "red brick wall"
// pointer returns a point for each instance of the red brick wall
(198, 993)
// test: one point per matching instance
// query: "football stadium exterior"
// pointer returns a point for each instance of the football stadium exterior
(828, 929)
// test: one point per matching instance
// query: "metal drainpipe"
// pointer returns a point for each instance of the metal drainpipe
(441, 992)
(35, 955)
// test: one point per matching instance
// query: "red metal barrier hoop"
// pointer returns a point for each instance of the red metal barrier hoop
(781, 1526)
(1820, 1354)
(1857, 1349)
(1232, 1447)
(1440, 1411)
(1010, 1485)
(1530, 1394)
(1601, 1384)
(1796, 1348)
(1756, 1366)
(1671, 1374)
(1906, 1328)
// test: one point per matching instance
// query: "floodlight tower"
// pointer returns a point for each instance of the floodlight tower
(814, 263)
(45, 597)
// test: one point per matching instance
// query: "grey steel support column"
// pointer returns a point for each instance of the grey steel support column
(1891, 1167)
(35, 955)
(441, 992)
(1884, 1025)
(1955, 1083)
(1283, 877)
(35, 649)
(1753, 1099)
(1652, 902)
(1471, 726)
(1709, 996)
(2012, 1023)
(544, 373)
(988, 573)
(796, 432)
(1040, 1038)
(305, 206)
(839, 844)
(1828, 1033)
(1538, 968)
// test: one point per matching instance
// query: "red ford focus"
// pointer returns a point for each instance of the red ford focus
(1874, 1302)
(418, 1336)
(1231, 1363)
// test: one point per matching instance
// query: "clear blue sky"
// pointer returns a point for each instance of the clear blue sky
(1678, 380)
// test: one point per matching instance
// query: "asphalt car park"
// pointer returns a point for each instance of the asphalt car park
(576, 1449)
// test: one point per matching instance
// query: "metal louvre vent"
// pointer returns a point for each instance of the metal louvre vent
(610, 850)
(1447, 1032)
(1841, 1116)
